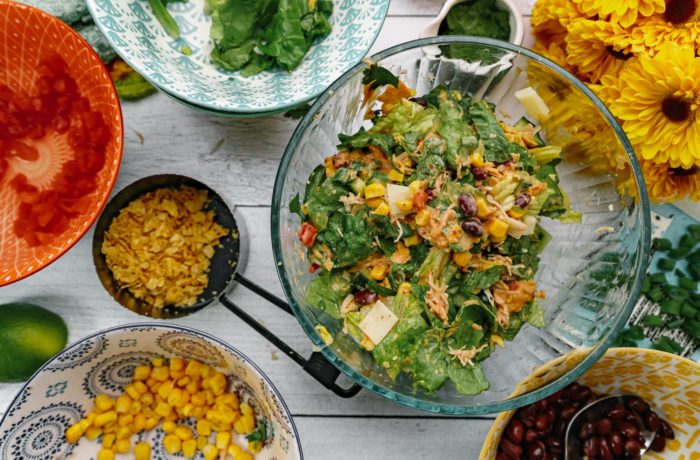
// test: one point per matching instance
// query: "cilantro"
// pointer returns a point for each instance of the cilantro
(260, 433)
(376, 76)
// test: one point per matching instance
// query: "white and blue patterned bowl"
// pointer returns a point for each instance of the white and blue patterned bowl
(136, 35)
(62, 392)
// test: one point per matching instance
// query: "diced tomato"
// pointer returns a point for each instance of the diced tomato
(420, 199)
(307, 234)
(313, 268)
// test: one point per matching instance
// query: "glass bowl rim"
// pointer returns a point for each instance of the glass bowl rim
(408, 400)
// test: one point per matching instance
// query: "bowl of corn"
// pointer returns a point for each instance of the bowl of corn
(149, 391)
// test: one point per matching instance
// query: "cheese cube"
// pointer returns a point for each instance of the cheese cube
(397, 194)
(533, 103)
(378, 322)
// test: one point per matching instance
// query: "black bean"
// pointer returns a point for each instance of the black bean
(528, 421)
(590, 447)
(522, 200)
(628, 430)
(559, 428)
(659, 443)
(501, 456)
(616, 443)
(419, 100)
(568, 412)
(618, 412)
(512, 450)
(473, 227)
(531, 436)
(581, 394)
(652, 421)
(638, 405)
(467, 204)
(554, 445)
(515, 431)
(365, 297)
(667, 430)
(603, 426)
(586, 430)
(536, 451)
(479, 173)
(604, 450)
(635, 419)
(632, 447)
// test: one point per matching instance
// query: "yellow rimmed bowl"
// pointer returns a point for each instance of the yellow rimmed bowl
(669, 382)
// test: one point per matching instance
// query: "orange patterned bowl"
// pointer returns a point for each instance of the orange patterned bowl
(668, 382)
(61, 139)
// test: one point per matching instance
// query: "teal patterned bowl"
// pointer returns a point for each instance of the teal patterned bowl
(139, 39)
(63, 390)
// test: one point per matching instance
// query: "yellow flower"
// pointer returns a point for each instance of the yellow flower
(666, 184)
(554, 52)
(550, 18)
(649, 34)
(658, 106)
(624, 12)
(596, 48)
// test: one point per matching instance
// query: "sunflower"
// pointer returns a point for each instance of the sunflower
(550, 18)
(649, 34)
(624, 12)
(608, 90)
(596, 48)
(659, 105)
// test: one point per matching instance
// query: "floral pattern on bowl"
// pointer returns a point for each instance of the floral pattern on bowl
(667, 381)
(136, 35)
(62, 392)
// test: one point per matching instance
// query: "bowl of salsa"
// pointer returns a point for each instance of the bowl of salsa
(61, 139)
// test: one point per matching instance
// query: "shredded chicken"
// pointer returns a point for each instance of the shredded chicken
(465, 355)
(478, 263)
(440, 181)
(401, 255)
(512, 297)
(537, 189)
(491, 170)
(351, 200)
(436, 299)
(523, 136)
(348, 305)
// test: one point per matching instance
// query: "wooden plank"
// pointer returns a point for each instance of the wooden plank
(390, 439)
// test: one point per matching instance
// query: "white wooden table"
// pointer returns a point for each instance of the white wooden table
(162, 136)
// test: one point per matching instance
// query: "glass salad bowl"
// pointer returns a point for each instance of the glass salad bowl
(590, 271)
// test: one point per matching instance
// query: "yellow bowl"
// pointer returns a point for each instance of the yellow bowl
(667, 381)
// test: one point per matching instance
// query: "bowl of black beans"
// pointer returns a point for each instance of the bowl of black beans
(631, 401)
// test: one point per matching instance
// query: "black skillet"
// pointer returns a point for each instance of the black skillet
(222, 276)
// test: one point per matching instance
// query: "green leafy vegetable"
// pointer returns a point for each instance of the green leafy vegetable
(482, 18)
(164, 17)
(376, 76)
(497, 147)
(133, 87)
(430, 362)
(328, 291)
(260, 433)
(348, 237)
(468, 379)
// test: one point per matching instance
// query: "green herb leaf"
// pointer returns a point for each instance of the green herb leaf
(260, 433)
(327, 291)
(376, 76)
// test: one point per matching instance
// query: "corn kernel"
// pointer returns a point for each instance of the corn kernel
(183, 432)
(483, 209)
(193, 368)
(255, 446)
(497, 229)
(377, 273)
(416, 186)
(103, 403)
(243, 456)
(142, 451)
(462, 258)
(108, 440)
(147, 399)
(202, 441)
(246, 409)
(123, 404)
(234, 450)
(330, 167)
(74, 433)
(151, 422)
(105, 454)
(422, 217)
(411, 240)
(375, 190)
(91, 418)
(404, 205)
(174, 396)
(139, 422)
(395, 176)
(160, 373)
(497, 340)
(223, 440)
(166, 388)
(172, 443)
(123, 432)
(189, 448)
(476, 159)
(125, 419)
(183, 382)
(105, 418)
(218, 383)
(210, 452)
(168, 427)
(374, 203)
(192, 387)
(206, 371)
(163, 409)
(157, 362)
(130, 390)
(135, 408)
(228, 399)
(141, 388)
(177, 375)
(382, 210)
(123, 446)
(203, 427)
(177, 364)
(151, 382)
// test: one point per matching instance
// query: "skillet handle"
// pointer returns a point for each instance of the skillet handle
(317, 365)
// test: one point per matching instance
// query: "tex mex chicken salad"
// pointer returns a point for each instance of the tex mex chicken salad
(424, 232)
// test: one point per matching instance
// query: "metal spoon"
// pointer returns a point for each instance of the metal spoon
(590, 413)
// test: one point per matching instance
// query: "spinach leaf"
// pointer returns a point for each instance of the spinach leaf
(376, 76)
(327, 291)
(481, 18)
(394, 353)
(430, 362)
(476, 281)
(406, 117)
(469, 379)
(458, 135)
(348, 237)
(363, 138)
(435, 95)
(497, 147)
(284, 37)
(295, 207)
(362, 280)
(165, 18)
(323, 199)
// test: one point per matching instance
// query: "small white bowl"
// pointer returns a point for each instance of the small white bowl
(515, 20)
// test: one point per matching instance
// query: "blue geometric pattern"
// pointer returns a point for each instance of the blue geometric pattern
(140, 40)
